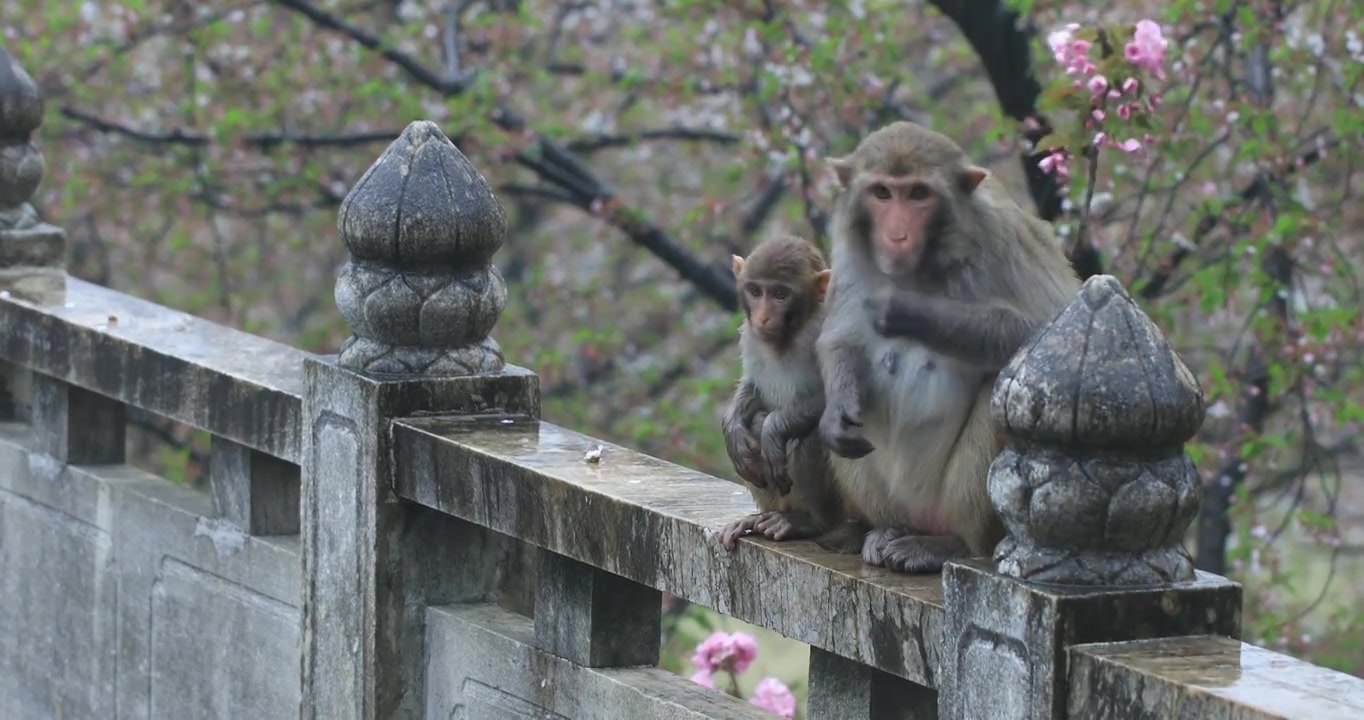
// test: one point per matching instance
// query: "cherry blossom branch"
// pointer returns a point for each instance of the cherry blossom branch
(1003, 42)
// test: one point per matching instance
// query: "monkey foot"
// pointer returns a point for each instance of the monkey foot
(771, 525)
(875, 543)
(922, 553)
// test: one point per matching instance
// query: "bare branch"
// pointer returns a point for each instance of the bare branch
(410, 65)
(555, 164)
(264, 141)
(603, 141)
(1258, 189)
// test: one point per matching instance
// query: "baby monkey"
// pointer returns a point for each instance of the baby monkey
(769, 424)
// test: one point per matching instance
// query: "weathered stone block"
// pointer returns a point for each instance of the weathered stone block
(121, 591)
(374, 561)
(219, 649)
(526, 682)
(1005, 642)
(656, 523)
(164, 361)
(1095, 488)
(15, 392)
(77, 426)
(592, 617)
(257, 492)
(841, 689)
(59, 583)
(1205, 678)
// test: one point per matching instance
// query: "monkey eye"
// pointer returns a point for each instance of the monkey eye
(919, 191)
(755, 291)
(781, 293)
(880, 192)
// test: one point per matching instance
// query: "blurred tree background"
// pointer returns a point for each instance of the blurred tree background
(198, 151)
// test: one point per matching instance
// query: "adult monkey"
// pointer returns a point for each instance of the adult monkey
(938, 279)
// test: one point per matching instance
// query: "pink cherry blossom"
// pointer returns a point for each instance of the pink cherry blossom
(1055, 163)
(704, 679)
(1059, 40)
(1124, 111)
(773, 696)
(1097, 85)
(745, 650)
(725, 651)
(1129, 86)
(1130, 145)
(1147, 49)
(1070, 53)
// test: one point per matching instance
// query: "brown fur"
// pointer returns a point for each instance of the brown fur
(932, 294)
(779, 399)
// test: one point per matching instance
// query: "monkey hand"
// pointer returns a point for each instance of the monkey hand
(840, 429)
(774, 466)
(897, 313)
(742, 448)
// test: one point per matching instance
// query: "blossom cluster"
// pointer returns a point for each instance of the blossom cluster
(733, 653)
(730, 652)
(1123, 98)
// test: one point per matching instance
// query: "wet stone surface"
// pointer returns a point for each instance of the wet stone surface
(163, 360)
(1212, 678)
(655, 523)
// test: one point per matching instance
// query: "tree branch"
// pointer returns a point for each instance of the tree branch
(1004, 45)
(555, 165)
(603, 141)
(264, 141)
(1257, 190)
(410, 65)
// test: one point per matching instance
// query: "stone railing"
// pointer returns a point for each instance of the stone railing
(398, 522)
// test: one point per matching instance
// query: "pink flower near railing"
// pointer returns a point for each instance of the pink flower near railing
(773, 696)
(732, 653)
(726, 651)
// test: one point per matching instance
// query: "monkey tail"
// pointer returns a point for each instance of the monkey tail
(845, 539)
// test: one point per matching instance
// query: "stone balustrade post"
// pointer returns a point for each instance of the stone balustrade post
(1096, 494)
(71, 424)
(421, 296)
(32, 253)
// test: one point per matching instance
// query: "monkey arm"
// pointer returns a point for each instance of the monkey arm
(984, 334)
(843, 366)
(740, 442)
(793, 423)
(781, 427)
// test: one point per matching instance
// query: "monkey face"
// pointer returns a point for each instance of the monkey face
(770, 308)
(903, 214)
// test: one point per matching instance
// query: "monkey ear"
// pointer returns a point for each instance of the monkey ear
(843, 169)
(822, 284)
(736, 264)
(971, 177)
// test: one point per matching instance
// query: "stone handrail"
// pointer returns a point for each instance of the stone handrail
(402, 478)
(654, 523)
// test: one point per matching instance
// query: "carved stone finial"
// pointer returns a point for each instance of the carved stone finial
(32, 253)
(420, 293)
(1095, 487)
